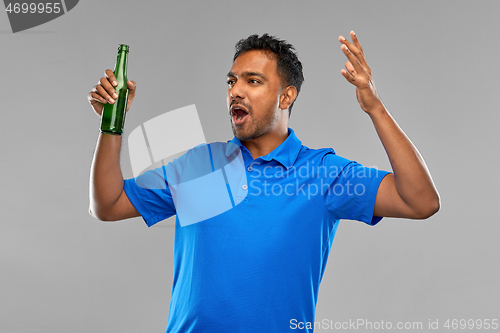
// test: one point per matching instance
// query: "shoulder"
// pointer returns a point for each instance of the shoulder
(203, 159)
(322, 156)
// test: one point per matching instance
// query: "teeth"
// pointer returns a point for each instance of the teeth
(239, 118)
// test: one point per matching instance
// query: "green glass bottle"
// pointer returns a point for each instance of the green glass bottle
(113, 115)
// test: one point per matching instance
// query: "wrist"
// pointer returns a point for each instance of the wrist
(110, 133)
(377, 111)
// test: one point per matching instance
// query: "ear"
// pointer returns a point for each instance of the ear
(287, 97)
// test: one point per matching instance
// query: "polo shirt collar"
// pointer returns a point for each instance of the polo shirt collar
(286, 153)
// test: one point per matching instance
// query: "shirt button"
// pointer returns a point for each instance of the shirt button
(249, 169)
(244, 186)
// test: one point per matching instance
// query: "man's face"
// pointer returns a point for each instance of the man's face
(254, 88)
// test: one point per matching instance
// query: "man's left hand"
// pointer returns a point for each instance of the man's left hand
(359, 74)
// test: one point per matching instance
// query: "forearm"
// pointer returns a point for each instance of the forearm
(412, 179)
(106, 179)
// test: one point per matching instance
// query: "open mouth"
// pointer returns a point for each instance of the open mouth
(238, 113)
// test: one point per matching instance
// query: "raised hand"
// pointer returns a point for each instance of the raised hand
(104, 92)
(359, 74)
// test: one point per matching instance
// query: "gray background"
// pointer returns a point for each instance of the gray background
(435, 64)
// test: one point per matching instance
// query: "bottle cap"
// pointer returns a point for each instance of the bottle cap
(123, 47)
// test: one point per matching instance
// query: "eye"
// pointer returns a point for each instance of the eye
(253, 81)
(230, 81)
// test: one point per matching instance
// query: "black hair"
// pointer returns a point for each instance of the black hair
(289, 67)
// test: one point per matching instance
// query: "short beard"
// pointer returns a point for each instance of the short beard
(260, 127)
(248, 137)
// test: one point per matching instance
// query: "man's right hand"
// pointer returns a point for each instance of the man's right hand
(104, 92)
(108, 200)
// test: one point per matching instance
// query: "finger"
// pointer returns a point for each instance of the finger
(107, 89)
(104, 92)
(350, 68)
(352, 59)
(347, 76)
(93, 96)
(111, 77)
(355, 50)
(131, 85)
(355, 41)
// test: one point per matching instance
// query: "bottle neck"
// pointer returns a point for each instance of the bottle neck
(121, 66)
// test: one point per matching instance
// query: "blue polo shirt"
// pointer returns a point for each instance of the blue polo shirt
(257, 267)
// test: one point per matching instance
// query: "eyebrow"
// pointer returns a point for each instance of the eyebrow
(246, 74)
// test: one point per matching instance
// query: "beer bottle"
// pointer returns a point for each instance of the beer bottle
(113, 115)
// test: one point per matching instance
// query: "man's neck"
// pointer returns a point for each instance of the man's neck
(265, 143)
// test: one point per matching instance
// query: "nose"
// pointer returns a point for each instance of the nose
(236, 90)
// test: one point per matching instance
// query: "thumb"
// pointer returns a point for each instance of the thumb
(131, 85)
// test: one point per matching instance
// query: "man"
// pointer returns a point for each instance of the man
(258, 266)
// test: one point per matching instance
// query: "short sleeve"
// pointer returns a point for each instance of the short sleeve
(353, 190)
(150, 195)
